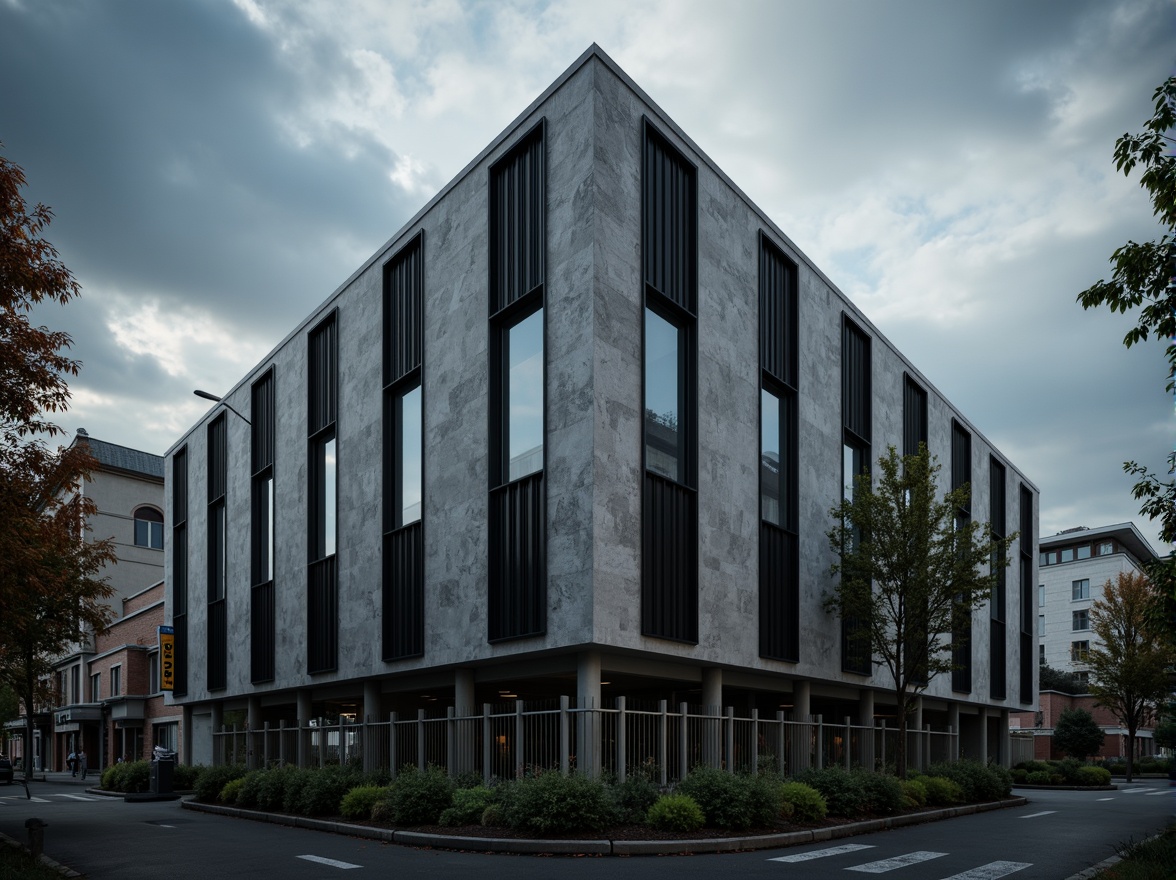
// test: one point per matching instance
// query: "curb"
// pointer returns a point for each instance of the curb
(61, 869)
(604, 847)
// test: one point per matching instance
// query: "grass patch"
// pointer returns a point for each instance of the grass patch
(16, 864)
(1151, 860)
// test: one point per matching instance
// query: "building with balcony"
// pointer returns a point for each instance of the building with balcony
(574, 431)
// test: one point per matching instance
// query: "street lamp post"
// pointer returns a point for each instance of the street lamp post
(207, 396)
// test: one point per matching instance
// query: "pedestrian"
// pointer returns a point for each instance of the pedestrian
(72, 763)
(82, 762)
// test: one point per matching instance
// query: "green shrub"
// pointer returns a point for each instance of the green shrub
(551, 803)
(942, 792)
(494, 816)
(247, 790)
(358, 802)
(914, 792)
(883, 792)
(295, 784)
(843, 792)
(1031, 766)
(1020, 776)
(675, 812)
(808, 805)
(469, 804)
(270, 787)
(634, 797)
(1039, 777)
(129, 776)
(1093, 776)
(231, 791)
(419, 798)
(1068, 769)
(184, 776)
(732, 801)
(978, 782)
(212, 779)
(324, 789)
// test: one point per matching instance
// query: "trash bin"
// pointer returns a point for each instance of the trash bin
(163, 762)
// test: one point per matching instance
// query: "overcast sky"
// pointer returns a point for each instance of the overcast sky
(218, 168)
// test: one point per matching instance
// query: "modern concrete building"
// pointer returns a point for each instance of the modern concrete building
(575, 430)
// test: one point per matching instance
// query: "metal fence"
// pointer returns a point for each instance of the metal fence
(517, 739)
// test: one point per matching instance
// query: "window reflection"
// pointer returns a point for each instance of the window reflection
(268, 556)
(410, 457)
(525, 397)
(663, 444)
(329, 492)
(770, 457)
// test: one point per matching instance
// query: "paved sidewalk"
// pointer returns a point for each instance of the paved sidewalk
(63, 777)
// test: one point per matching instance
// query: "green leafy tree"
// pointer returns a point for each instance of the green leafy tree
(1050, 679)
(1165, 733)
(1077, 734)
(51, 587)
(1129, 666)
(1142, 279)
(906, 568)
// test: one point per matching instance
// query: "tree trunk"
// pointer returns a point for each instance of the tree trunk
(30, 725)
(1130, 751)
(900, 755)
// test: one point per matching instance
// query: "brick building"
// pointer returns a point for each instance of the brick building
(1053, 703)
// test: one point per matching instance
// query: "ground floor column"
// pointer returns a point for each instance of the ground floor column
(953, 722)
(712, 708)
(983, 749)
(304, 710)
(588, 704)
(186, 734)
(217, 722)
(253, 733)
(866, 750)
(1002, 742)
(465, 740)
(918, 758)
(800, 751)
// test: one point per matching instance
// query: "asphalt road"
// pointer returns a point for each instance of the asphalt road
(1057, 835)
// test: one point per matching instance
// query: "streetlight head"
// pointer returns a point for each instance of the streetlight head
(206, 395)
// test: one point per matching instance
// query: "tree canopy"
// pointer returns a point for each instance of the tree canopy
(51, 584)
(1077, 734)
(1142, 279)
(907, 567)
(1129, 665)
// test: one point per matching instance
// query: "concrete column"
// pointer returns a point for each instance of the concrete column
(712, 704)
(865, 735)
(588, 704)
(920, 742)
(953, 721)
(371, 701)
(465, 742)
(186, 735)
(219, 752)
(253, 745)
(866, 707)
(1002, 740)
(983, 746)
(801, 701)
(463, 691)
(304, 710)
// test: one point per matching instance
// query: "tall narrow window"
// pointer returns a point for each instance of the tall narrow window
(261, 602)
(779, 566)
(518, 495)
(179, 481)
(996, 605)
(1028, 545)
(914, 436)
(961, 625)
(218, 647)
(669, 249)
(403, 558)
(322, 611)
(857, 418)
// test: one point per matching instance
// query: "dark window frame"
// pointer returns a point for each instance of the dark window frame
(857, 415)
(322, 609)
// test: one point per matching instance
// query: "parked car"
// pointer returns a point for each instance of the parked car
(5, 771)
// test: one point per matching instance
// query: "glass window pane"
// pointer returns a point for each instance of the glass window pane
(157, 536)
(141, 532)
(329, 478)
(850, 465)
(1084, 551)
(268, 556)
(525, 397)
(410, 457)
(663, 443)
(770, 458)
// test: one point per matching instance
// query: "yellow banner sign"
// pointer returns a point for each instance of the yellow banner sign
(167, 658)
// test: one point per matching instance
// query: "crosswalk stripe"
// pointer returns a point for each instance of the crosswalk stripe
(884, 865)
(1106, 799)
(76, 797)
(334, 863)
(991, 871)
(1136, 790)
(1035, 815)
(822, 853)
(1155, 793)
